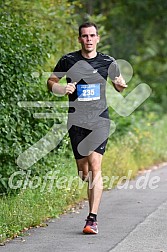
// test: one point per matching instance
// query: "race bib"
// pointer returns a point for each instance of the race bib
(88, 92)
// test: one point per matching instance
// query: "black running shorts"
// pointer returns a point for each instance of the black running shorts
(84, 141)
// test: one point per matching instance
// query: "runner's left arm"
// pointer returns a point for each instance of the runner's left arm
(116, 77)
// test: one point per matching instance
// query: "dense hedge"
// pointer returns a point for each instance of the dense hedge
(31, 36)
(21, 52)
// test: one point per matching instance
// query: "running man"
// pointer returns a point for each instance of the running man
(88, 118)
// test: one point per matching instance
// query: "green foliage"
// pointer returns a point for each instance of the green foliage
(30, 32)
(140, 39)
(21, 52)
(52, 197)
(142, 146)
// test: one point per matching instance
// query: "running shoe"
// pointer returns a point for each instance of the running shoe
(90, 226)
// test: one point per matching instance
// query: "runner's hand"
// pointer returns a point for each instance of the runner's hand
(119, 83)
(70, 88)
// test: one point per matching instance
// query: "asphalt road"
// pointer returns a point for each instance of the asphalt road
(131, 219)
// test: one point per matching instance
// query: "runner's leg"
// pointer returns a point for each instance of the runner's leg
(92, 165)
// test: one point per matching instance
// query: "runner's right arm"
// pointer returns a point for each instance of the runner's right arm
(56, 88)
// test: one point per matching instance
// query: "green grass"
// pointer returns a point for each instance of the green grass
(30, 207)
(143, 146)
(57, 192)
(140, 148)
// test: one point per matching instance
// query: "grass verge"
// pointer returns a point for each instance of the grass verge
(143, 146)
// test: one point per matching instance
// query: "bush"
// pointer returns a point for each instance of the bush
(21, 52)
(27, 43)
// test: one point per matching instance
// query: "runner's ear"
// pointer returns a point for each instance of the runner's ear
(98, 38)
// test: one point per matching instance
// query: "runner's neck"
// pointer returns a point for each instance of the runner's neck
(89, 55)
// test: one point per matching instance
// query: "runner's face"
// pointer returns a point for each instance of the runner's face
(89, 39)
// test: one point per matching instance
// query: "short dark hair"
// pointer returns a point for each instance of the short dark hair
(85, 25)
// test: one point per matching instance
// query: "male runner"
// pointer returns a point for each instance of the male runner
(88, 120)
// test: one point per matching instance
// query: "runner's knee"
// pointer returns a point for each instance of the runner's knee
(84, 176)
